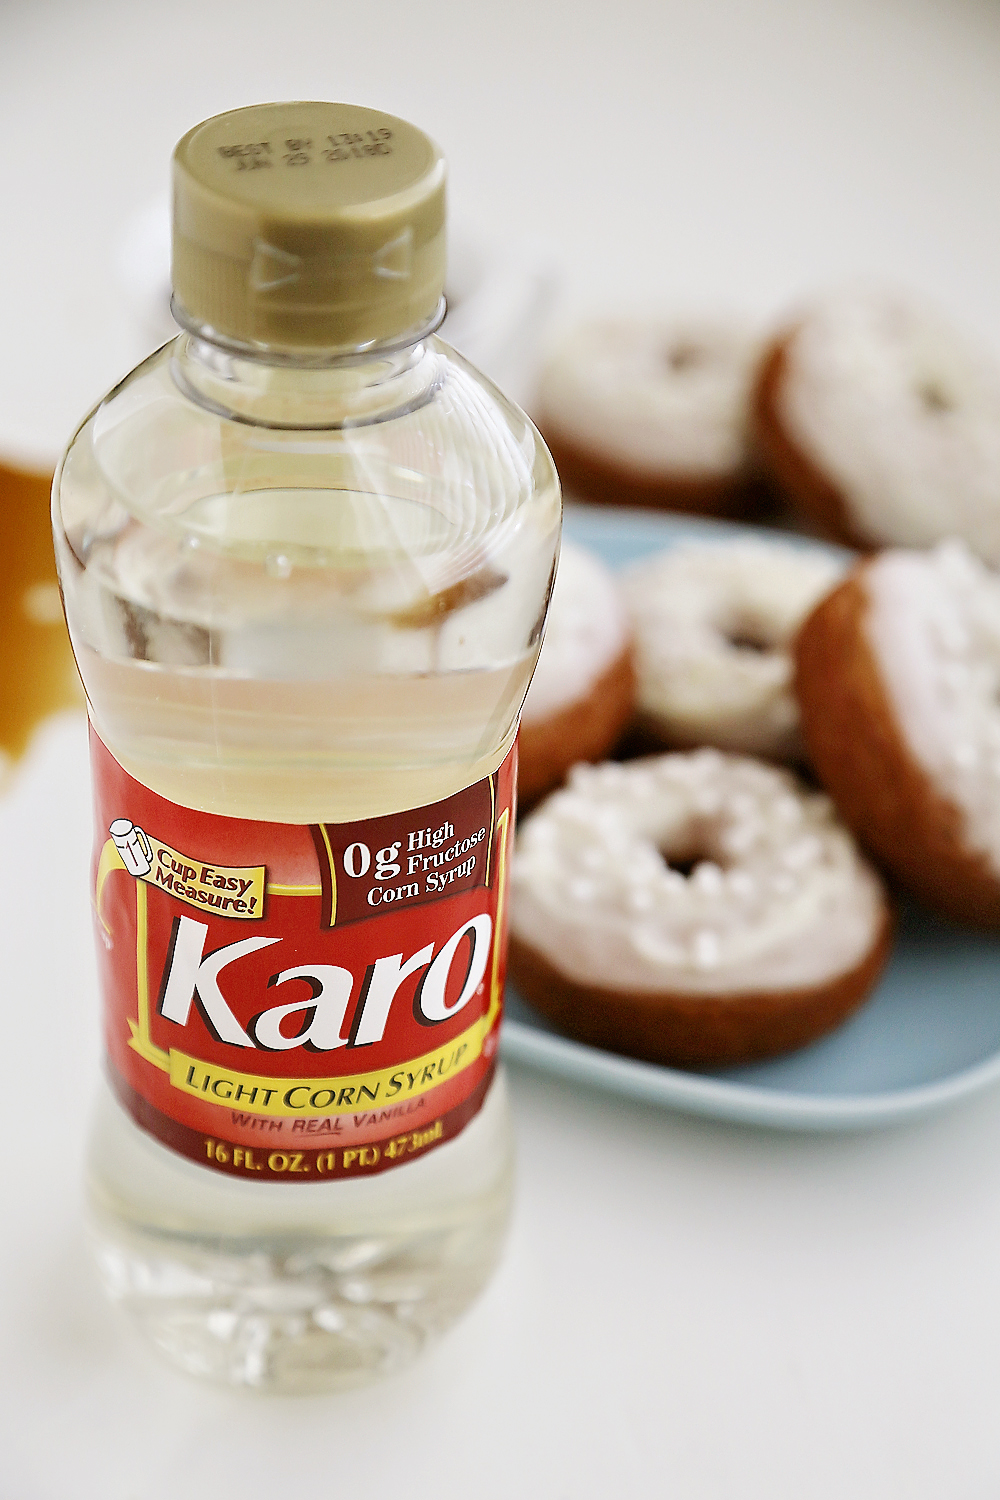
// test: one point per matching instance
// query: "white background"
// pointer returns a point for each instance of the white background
(685, 1309)
(716, 152)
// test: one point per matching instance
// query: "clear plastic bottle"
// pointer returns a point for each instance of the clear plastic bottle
(306, 553)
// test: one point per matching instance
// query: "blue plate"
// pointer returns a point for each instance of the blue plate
(929, 1035)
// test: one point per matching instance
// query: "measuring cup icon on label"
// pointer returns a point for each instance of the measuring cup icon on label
(133, 846)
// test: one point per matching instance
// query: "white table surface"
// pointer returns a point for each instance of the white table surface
(685, 1309)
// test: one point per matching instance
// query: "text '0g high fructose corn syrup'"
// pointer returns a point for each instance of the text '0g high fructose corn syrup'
(306, 553)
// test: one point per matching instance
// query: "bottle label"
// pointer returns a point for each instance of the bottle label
(292, 1002)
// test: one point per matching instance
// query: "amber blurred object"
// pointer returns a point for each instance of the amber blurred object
(37, 671)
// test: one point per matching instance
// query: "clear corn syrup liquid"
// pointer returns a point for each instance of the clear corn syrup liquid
(302, 599)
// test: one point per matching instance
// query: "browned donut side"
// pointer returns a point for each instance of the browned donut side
(805, 485)
(586, 730)
(696, 1031)
(648, 735)
(860, 755)
(593, 477)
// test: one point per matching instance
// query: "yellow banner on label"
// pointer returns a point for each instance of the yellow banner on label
(313, 1097)
(227, 890)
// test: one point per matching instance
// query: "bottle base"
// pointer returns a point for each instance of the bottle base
(296, 1289)
(295, 1317)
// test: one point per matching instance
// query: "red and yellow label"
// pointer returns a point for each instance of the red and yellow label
(293, 1002)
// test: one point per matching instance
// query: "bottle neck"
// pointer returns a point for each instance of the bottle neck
(311, 392)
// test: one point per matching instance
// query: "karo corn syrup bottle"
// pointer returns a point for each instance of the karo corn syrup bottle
(306, 553)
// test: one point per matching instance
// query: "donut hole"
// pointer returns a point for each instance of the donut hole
(934, 398)
(684, 356)
(746, 632)
(694, 843)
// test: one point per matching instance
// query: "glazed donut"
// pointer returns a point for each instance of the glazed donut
(713, 625)
(581, 695)
(898, 678)
(640, 413)
(883, 423)
(693, 909)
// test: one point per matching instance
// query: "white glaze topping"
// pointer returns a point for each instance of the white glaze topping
(713, 624)
(934, 624)
(902, 413)
(659, 397)
(778, 897)
(586, 630)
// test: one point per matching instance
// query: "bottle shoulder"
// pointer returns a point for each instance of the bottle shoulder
(203, 553)
(181, 438)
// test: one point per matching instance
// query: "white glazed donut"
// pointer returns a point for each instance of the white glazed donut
(653, 413)
(883, 422)
(713, 624)
(581, 695)
(694, 909)
(899, 679)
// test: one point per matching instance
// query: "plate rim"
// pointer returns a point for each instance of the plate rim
(728, 1100)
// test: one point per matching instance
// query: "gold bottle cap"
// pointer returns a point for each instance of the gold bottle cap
(308, 226)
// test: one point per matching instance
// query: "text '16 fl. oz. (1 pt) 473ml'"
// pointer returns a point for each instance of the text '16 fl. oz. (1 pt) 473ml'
(306, 552)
